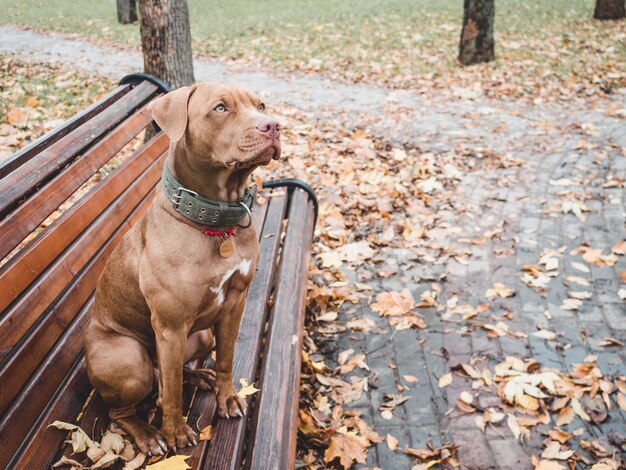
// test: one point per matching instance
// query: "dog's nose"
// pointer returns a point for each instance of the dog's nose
(269, 127)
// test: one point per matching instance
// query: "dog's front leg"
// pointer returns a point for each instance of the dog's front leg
(229, 403)
(170, 355)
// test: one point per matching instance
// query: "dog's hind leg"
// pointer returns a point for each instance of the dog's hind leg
(199, 346)
(120, 369)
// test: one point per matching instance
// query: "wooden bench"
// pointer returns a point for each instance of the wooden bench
(47, 289)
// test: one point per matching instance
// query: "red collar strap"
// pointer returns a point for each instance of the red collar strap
(222, 235)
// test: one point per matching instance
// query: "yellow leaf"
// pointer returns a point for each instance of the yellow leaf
(445, 380)
(207, 433)
(579, 410)
(246, 390)
(176, 462)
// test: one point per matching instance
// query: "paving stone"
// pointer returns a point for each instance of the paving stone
(474, 452)
(509, 454)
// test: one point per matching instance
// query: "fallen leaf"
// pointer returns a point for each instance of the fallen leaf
(17, 117)
(579, 410)
(246, 390)
(549, 465)
(467, 397)
(136, 463)
(67, 461)
(348, 448)
(112, 441)
(177, 462)
(207, 433)
(621, 401)
(580, 267)
(544, 334)
(392, 442)
(560, 436)
(445, 380)
(608, 341)
(571, 304)
(106, 460)
(619, 248)
(394, 303)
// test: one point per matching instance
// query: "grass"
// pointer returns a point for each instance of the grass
(394, 42)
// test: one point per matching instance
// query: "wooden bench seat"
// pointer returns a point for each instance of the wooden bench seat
(47, 288)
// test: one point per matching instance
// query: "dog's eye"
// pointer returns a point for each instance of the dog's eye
(262, 107)
(220, 108)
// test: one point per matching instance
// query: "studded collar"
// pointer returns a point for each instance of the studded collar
(204, 211)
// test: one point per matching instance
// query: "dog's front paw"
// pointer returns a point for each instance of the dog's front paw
(229, 403)
(177, 433)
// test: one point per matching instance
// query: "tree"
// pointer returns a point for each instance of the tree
(166, 41)
(477, 43)
(126, 11)
(609, 10)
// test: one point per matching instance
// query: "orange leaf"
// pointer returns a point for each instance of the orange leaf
(393, 303)
(566, 416)
(348, 447)
(559, 435)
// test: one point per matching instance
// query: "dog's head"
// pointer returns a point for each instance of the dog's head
(221, 125)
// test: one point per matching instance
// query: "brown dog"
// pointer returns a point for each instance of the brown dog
(168, 284)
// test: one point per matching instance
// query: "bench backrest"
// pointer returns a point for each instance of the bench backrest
(47, 281)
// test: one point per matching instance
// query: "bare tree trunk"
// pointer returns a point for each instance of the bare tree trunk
(609, 10)
(166, 41)
(477, 44)
(126, 11)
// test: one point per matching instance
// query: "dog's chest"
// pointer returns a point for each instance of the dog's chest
(235, 278)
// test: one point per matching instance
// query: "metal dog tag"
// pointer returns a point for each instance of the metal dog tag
(227, 247)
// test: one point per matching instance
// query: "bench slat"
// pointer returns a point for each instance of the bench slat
(16, 424)
(40, 449)
(226, 447)
(24, 155)
(275, 416)
(18, 224)
(46, 381)
(27, 178)
(35, 258)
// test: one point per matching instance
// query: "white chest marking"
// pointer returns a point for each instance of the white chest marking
(243, 268)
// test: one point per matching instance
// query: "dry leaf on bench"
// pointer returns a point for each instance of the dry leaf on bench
(246, 389)
(207, 433)
(176, 462)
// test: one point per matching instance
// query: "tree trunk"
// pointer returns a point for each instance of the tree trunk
(166, 41)
(477, 43)
(126, 11)
(609, 10)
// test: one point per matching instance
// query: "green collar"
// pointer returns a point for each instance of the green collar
(205, 211)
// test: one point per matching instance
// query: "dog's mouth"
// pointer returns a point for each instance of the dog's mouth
(263, 157)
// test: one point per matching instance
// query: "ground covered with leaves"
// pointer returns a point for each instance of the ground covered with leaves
(468, 285)
(545, 50)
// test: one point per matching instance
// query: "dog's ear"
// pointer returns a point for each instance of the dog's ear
(170, 112)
